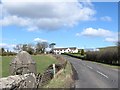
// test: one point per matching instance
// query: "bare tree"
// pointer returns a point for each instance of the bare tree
(41, 46)
(18, 47)
(30, 49)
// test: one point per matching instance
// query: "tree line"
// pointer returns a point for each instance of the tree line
(32, 49)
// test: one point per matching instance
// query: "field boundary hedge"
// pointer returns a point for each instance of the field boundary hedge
(107, 56)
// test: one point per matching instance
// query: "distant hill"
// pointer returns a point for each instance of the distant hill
(110, 47)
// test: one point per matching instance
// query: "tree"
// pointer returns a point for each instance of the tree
(44, 46)
(41, 46)
(18, 47)
(3, 50)
(82, 52)
(52, 45)
(24, 47)
(38, 47)
(30, 49)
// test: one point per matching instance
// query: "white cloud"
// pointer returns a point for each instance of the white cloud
(106, 18)
(113, 40)
(7, 46)
(108, 35)
(92, 32)
(46, 15)
(14, 20)
(39, 40)
(32, 28)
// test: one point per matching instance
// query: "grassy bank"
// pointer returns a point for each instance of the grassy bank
(107, 65)
(63, 79)
(42, 62)
(76, 55)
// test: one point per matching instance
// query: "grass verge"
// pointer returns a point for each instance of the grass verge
(63, 79)
(111, 66)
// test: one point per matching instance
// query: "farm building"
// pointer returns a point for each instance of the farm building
(65, 50)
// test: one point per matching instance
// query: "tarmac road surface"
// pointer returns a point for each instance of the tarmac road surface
(93, 75)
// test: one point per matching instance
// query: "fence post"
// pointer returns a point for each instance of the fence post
(54, 69)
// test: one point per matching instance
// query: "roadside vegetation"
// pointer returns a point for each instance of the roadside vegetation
(107, 55)
(42, 62)
(63, 79)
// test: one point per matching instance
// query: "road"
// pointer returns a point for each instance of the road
(93, 75)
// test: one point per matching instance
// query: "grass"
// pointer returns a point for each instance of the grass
(111, 66)
(5, 65)
(42, 62)
(63, 80)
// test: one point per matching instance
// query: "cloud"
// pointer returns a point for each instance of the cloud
(92, 32)
(113, 40)
(39, 40)
(106, 18)
(46, 15)
(108, 35)
(14, 20)
(7, 46)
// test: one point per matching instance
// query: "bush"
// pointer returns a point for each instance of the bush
(108, 56)
(82, 52)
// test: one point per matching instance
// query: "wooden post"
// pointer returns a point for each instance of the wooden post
(54, 69)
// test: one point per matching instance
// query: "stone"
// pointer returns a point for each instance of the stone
(18, 81)
(22, 64)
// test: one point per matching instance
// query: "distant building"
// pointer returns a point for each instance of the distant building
(91, 49)
(65, 50)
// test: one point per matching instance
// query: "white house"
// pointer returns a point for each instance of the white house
(91, 49)
(65, 50)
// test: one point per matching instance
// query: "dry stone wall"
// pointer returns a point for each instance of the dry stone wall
(23, 73)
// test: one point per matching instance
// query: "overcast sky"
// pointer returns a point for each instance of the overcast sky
(80, 24)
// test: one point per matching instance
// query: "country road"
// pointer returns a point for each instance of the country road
(93, 75)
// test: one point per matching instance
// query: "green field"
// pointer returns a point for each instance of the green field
(42, 61)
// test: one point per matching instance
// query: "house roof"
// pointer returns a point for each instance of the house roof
(72, 48)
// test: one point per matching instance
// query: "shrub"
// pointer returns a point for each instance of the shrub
(108, 56)
(82, 52)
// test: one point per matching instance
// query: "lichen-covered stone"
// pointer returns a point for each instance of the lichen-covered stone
(22, 64)
(19, 81)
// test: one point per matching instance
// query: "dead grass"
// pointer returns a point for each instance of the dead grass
(63, 79)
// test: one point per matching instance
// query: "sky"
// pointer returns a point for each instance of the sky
(68, 24)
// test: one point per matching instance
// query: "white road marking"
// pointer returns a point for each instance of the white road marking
(89, 67)
(102, 74)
